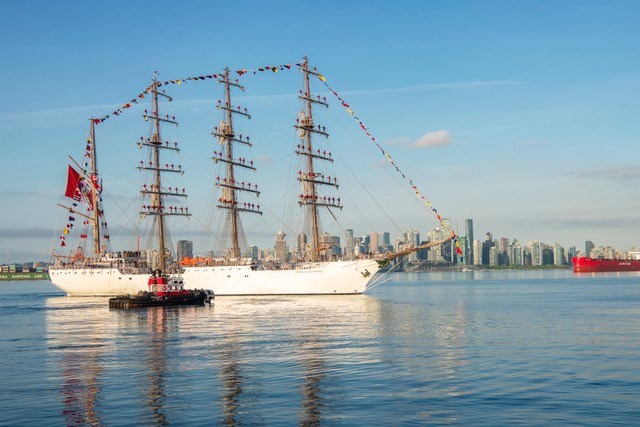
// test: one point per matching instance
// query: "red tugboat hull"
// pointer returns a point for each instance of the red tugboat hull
(590, 265)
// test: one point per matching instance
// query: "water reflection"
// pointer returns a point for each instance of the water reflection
(314, 372)
(231, 376)
(240, 354)
(81, 366)
(156, 361)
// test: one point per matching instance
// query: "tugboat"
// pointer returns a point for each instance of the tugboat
(164, 290)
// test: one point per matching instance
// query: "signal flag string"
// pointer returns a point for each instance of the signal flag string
(414, 187)
(323, 79)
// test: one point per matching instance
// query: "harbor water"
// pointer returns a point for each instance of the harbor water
(458, 348)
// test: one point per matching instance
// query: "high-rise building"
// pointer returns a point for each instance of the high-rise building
(486, 246)
(399, 244)
(493, 256)
(331, 242)
(184, 249)
(253, 252)
(301, 246)
(518, 254)
(349, 243)
(469, 249)
(536, 249)
(374, 245)
(412, 239)
(462, 240)
(436, 253)
(386, 238)
(281, 247)
(558, 255)
(588, 247)
(503, 256)
(477, 252)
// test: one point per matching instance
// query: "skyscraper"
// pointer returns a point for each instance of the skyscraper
(374, 246)
(412, 239)
(331, 242)
(184, 249)
(281, 246)
(588, 247)
(349, 242)
(464, 244)
(558, 255)
(486, 246)
(503, 256)
(477, 252)
(536, 253)
(253, 252)
(468, 250)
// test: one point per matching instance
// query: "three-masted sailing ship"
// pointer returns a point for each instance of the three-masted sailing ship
(316, 270)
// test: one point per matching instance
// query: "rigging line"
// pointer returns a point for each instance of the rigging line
(210, 232)
(367, 148)
(277, 218)
(135, 227)
(365, 189)
(387, 155)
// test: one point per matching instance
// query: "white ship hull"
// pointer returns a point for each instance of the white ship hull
(97, 282)
(337, 277)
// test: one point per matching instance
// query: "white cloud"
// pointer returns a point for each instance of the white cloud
(429, 139)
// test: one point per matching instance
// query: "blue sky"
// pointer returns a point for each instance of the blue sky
(536, 103)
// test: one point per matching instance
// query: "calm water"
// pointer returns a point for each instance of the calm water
(502, 348)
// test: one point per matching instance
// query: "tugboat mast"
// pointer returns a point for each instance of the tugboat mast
(229, 184)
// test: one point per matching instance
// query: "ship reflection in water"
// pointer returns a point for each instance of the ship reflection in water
(242, 360)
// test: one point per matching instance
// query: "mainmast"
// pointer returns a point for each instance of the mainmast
(309, 178)
(230, 184)
(156, 191)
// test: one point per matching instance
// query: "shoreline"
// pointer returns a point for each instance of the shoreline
(6, 277)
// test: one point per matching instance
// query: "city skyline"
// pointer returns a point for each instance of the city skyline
(499, 111)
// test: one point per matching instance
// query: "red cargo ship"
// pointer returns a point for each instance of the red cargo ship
(590, 265)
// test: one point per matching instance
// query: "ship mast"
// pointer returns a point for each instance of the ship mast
(95, 219)
(231, 187)
(156, 191)
(309, 178)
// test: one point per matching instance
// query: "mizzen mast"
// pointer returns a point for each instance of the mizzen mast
(156, 191)
(310, 178)
(231, 186)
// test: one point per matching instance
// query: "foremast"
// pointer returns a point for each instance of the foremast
(229, 183)
(98, 250)
(156, 191)
(311, 179)
(89, 192)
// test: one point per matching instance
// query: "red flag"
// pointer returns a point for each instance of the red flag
(95, 181)
(73, 182)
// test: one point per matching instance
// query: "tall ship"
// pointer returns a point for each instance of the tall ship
(317, 269)
(597, 265)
